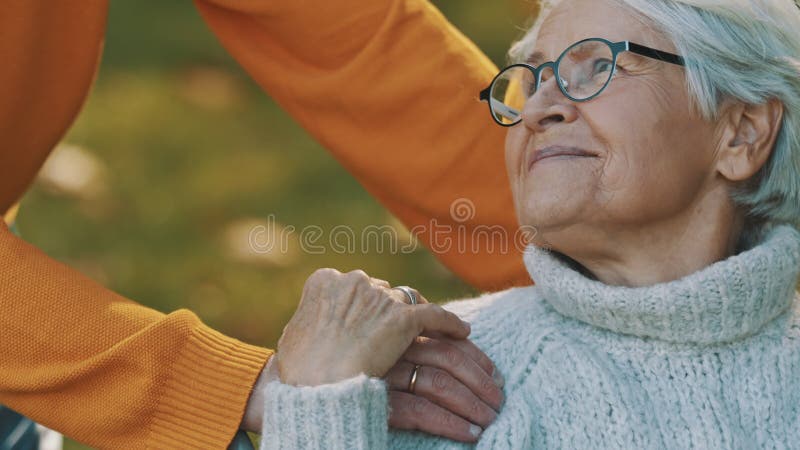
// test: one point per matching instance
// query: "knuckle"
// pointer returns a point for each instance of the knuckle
(453, 357)
(488, 386)
(450, 420)
(328, 271)
(362, 281)
(358, 275)
(323, 274)
(441, 381)
(475, 408)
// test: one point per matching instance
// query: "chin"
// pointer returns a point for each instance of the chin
(540, 229)
(548, 216)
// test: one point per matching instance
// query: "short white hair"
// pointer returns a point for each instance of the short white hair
(743, 50)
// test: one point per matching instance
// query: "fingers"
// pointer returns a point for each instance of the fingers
(471, 350)
(411, 412)
(432, 317)
(439, 387)
(395, 293)
(358, 312)
(442, 355)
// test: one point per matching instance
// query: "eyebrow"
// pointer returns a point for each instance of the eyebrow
(535, 58)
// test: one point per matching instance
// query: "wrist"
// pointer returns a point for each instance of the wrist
(254, 411)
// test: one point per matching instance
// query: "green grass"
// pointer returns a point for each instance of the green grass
(182, 161)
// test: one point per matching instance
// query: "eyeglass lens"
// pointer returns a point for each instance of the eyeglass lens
(584, 70)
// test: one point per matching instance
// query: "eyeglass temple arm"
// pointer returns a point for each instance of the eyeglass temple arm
(484, 95)
(657, 54)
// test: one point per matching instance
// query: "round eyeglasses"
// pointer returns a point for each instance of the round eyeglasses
(582, 72)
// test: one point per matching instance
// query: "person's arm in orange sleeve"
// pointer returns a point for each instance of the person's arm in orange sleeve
(74, 356)
(390, 87)
(114, 374)
(109, 372)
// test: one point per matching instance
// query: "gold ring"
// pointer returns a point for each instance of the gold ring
(413, 382)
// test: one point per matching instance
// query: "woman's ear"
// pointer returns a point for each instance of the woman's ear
(748, 137)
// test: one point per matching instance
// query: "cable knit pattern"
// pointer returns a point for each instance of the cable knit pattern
(711, 360)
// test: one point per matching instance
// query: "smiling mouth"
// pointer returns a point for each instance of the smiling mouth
(557, 150)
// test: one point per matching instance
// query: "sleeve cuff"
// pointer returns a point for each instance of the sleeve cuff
(350, 414)
(203, 401)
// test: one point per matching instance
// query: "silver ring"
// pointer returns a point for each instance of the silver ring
(412, 296)
(413, 382)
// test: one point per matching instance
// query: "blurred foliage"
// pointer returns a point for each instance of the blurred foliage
(179, 149)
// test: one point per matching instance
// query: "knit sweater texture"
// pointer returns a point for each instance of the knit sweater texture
(711, 360)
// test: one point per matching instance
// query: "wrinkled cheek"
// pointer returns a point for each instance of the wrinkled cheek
(601, 186)
(515, 146)
(617, 177)
(615, 172)
(634, 191)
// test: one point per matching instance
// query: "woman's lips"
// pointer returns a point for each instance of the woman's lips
(556, 150)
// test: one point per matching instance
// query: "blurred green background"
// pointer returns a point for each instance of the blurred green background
(178, 154)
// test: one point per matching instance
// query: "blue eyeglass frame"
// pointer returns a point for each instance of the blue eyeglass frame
(616, 49)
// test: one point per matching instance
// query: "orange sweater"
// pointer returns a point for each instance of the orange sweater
(114, 374)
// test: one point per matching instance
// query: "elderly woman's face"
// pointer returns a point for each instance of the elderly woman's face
(650, 155)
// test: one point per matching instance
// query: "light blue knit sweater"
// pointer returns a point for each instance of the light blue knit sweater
(711, 360)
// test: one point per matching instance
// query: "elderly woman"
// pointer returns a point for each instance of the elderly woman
(655, 147)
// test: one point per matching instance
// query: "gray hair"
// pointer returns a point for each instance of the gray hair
(742, 50)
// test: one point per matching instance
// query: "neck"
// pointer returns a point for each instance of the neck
(647, 254)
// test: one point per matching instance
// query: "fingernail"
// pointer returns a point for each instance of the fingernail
(474, 430)
(498, 379)
(468, 326)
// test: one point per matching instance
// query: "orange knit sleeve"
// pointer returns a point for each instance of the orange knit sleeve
(73, 355)
(391, 89)
(109, 372)
(389, 86)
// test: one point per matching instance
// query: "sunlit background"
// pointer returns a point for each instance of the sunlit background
(178, 154)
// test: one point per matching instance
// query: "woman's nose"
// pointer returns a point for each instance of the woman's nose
(547, 106)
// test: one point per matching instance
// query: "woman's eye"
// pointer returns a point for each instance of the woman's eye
(602, 65)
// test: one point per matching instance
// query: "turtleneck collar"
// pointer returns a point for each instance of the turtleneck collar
(725, 301)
